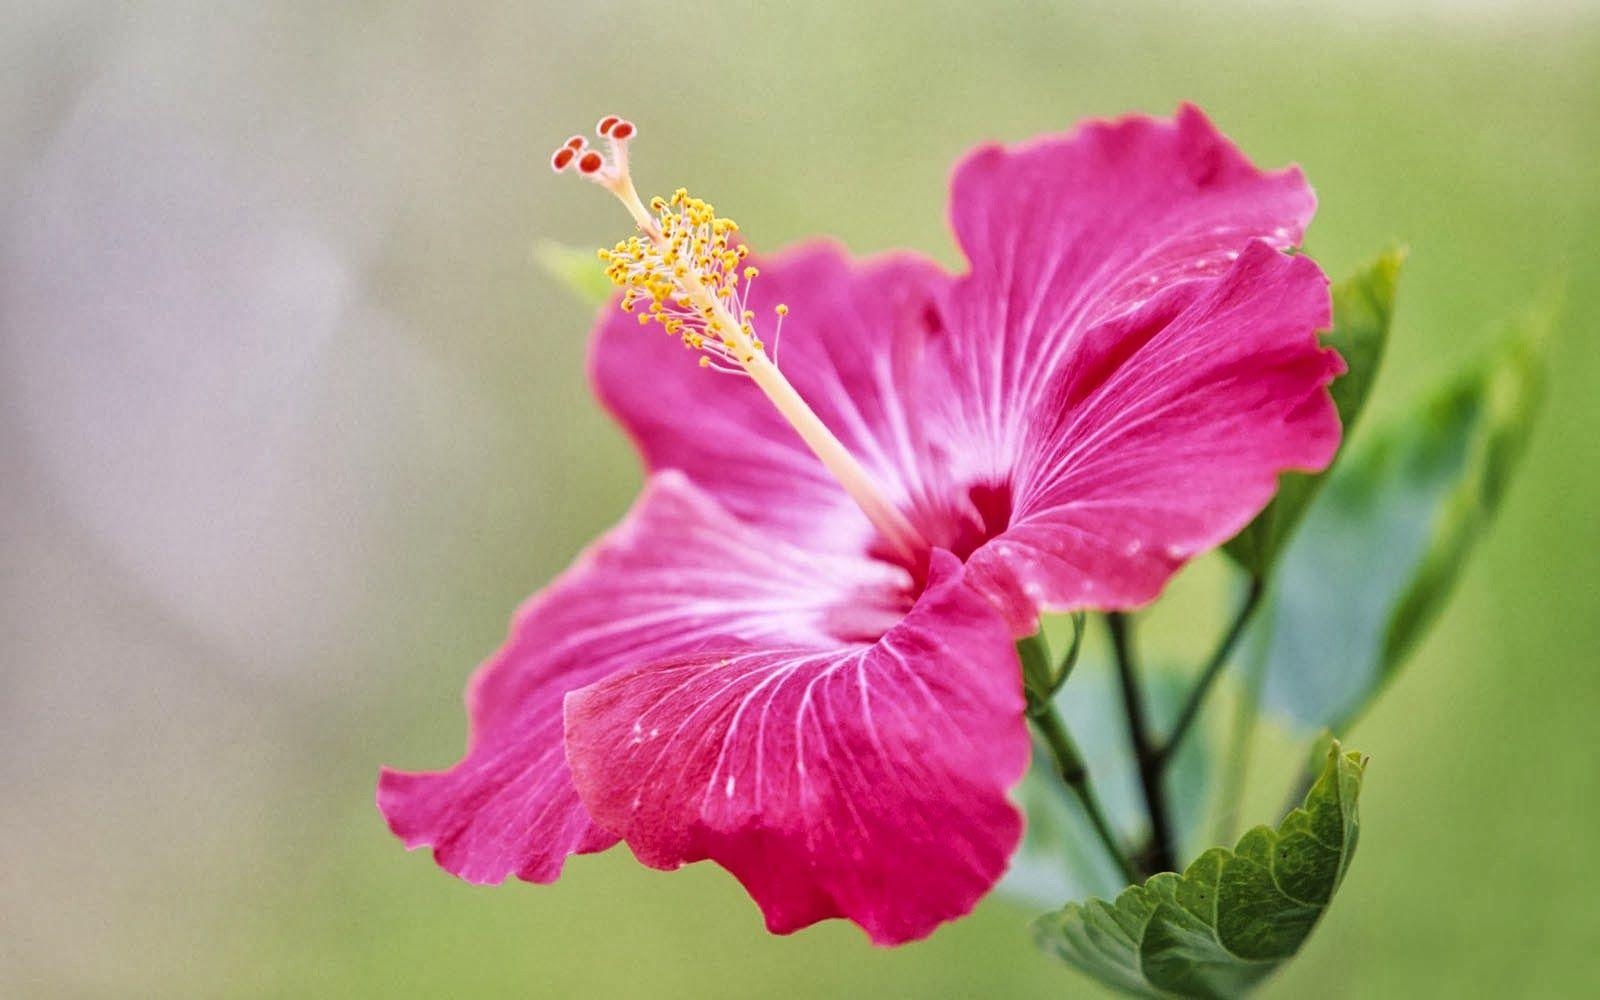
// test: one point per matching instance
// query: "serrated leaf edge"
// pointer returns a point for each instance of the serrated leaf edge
(1136, 897)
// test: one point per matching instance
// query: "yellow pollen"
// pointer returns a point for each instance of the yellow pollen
(685, 262)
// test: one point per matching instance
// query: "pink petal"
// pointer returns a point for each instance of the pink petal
(867, 782)
(1065, 232)
(1168, 436)
(850, 344)
(678, 575)
(960, 396)
(1131, 363)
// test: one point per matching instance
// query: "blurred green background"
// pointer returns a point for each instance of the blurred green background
(292, 423)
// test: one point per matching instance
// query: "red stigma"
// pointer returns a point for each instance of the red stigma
(606, 124)
(622, 130)
(590, 162)
(561, 159)
(577, 142)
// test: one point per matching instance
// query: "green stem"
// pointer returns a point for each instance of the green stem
(1241, 746)
(1161, 849)
(1070, 766)
(1241, 743)
(1210, 673)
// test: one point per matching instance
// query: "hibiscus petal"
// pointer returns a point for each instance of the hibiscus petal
(677, 575)
(853, 336)
(867, 782)
(1065, 232)
(1168, 437)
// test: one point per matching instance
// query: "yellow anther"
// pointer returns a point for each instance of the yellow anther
(687, 263)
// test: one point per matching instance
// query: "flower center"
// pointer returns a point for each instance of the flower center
(688, 271)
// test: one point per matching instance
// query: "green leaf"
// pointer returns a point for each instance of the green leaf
(577, 270)
(1382, 547)
(1233, 917)
(1363, 306)
(1061, 857)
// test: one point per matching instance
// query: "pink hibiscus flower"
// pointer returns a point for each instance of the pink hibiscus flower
(795, 655)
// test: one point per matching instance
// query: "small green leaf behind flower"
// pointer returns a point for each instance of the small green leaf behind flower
(1233, 917)
(578, 271)
(1363, 308)
(1382, 547)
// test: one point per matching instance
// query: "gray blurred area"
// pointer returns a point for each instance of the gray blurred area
(292, 422)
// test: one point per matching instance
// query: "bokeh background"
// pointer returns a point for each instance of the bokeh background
(291, 422)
